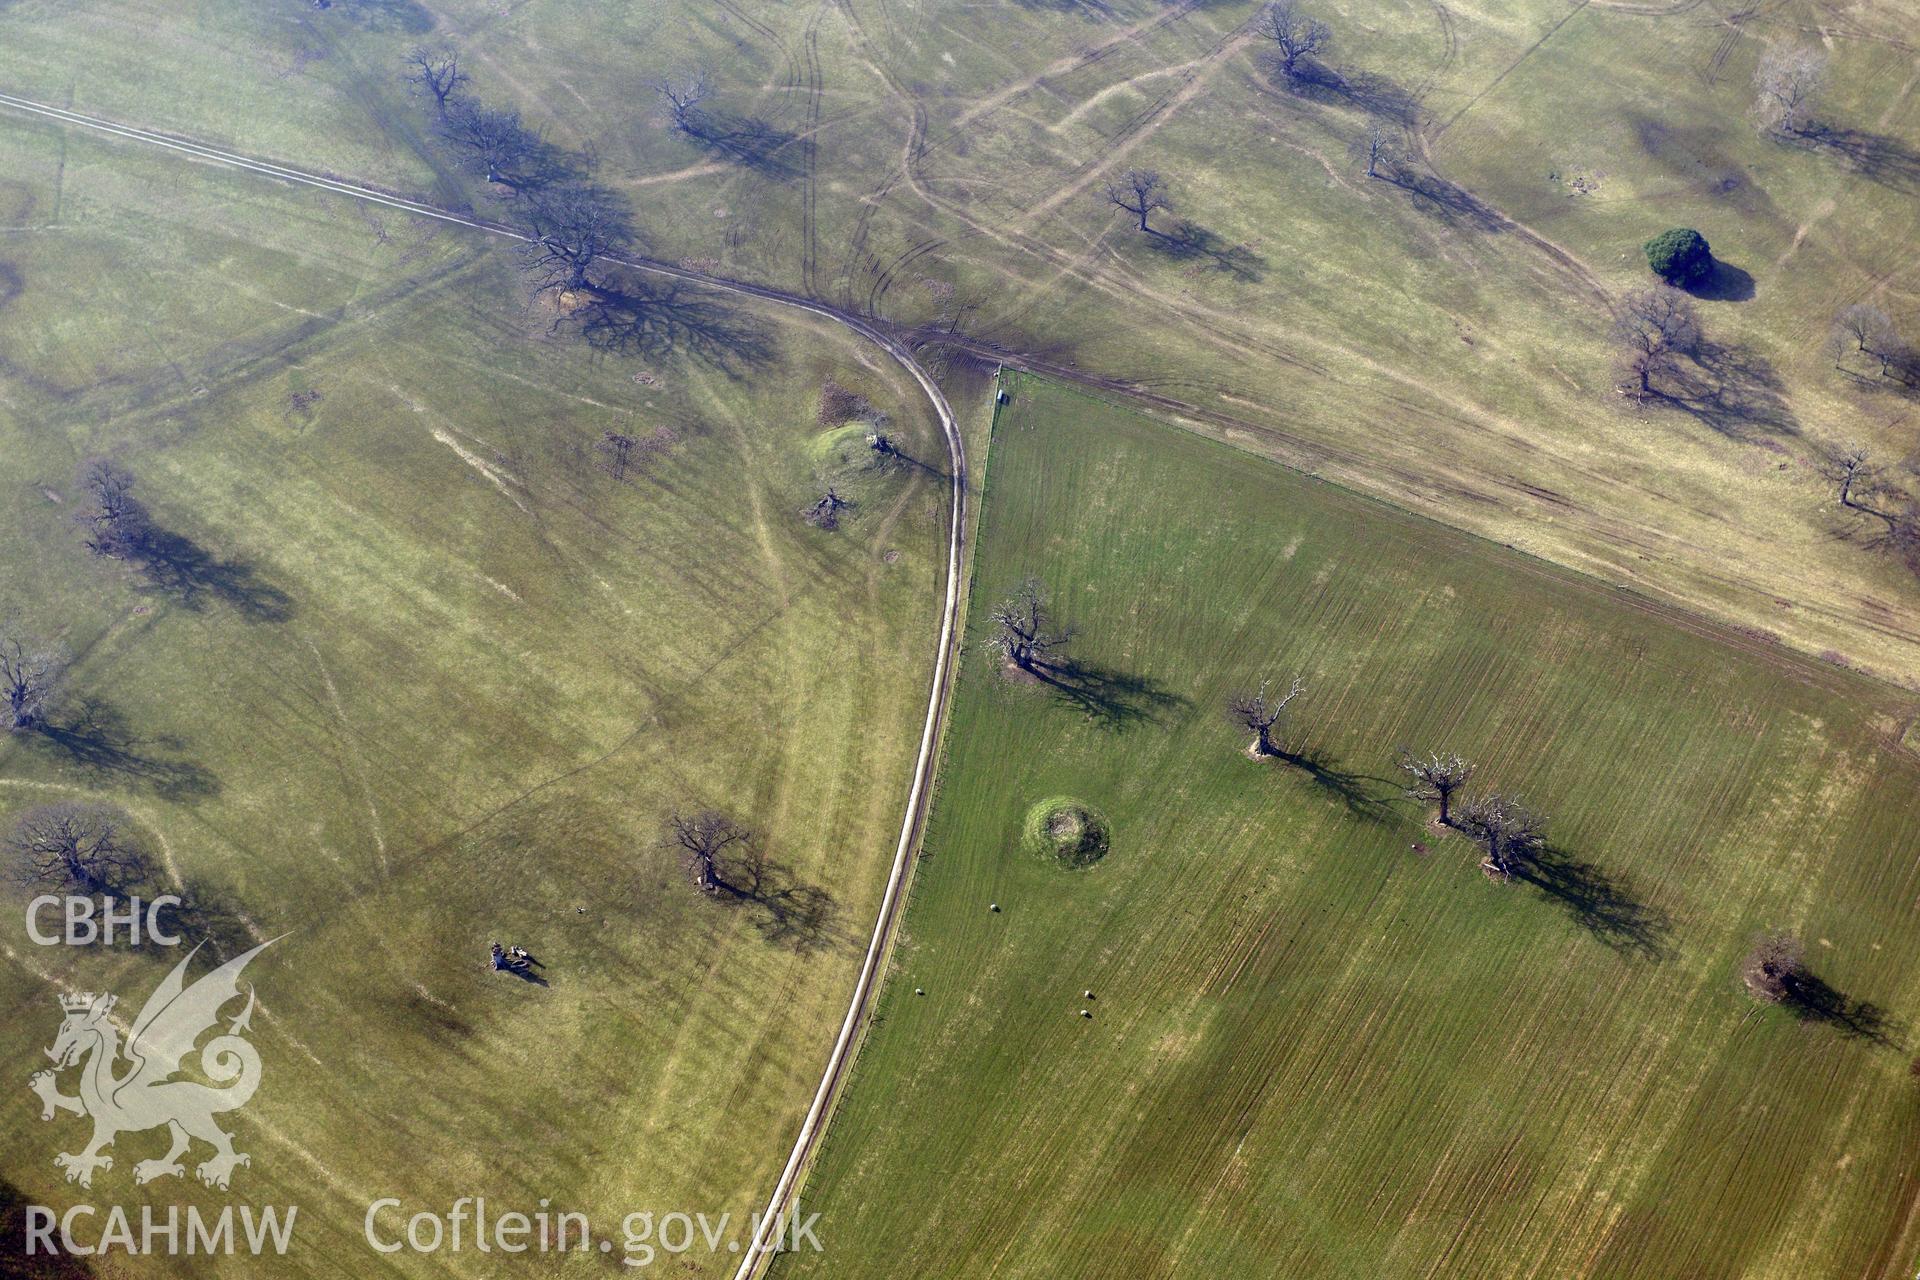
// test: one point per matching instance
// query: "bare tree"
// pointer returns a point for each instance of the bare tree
(437, 73)
(1654, 329)
(1023, 627)
(1377, 148)
(575, 226)
(30, 677)
(682, 91)
(496, 142)
(77, 847)
(1508, 830)
(1260, 711)
(1866, 330)
(1294, 34)
(701, 838)
(116, 522)
(1852, 469)
(618, 449)
(1141, 193)
(1784, 86)
(1866, 488)
(1775, 967)
(1862, 328)
(1436, 776)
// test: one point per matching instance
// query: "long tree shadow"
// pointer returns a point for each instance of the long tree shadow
(1377, 95)
(630, 316)
(1362, 793)
(747, 141)
(95, 737)
(1732, 389)
(787, 911)
(185, 572)
(1876, 157)
(1600, 902)
(1091, 10)
(1451, 203)
(1811, 999)
(1115, 700)
(1189, 240)
(210, 915)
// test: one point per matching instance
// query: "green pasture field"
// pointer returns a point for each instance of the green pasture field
(1440, 340)
(1323, 1042)
(423, 675)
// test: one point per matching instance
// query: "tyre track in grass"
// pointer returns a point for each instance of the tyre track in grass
(893, 902)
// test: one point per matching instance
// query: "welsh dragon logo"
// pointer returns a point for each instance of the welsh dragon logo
(146, 1095)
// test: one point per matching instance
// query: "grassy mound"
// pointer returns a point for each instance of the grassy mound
(842, 452)
(1063, 828)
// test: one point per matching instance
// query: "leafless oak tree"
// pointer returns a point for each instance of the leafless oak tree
(116, 522)
(1294, 34)
(575, 226)
(701, 838)
(77, 847)
(1141, 193)
(1863, 329)
(1024, 631)
(682, 91)
(495, 141)
(1866, 488)
(1784, 86)
(1775, 967)
(1263, 713)
(437, 73)
(31, 674)
(1654, 329)
(1436, 776)
(1508, 830)
(1377, 148)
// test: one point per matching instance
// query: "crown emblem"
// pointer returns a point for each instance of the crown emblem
(82, 1002)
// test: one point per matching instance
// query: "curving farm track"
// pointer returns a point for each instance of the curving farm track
(768, 1230)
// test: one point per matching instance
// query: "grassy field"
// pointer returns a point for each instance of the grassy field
(1440, 341)
(1323, 1043)
(429, 676)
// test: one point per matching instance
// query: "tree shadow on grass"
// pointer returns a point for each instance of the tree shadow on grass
(747, 141)
(630, 316)
(95, 737)
(788, 912)
(1091, 10)
(210, 915)
(1446, 201)
(1810, 999)
(1189, 241)
(1116, 700)
(1360, 792)
(1876, 157)
(1725, 283)
(1599, 902)
(1734, 390)
(1376, 95)
(186, 573)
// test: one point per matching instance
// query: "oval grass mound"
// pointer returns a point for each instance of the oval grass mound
(1065, 830)
(842, 452)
